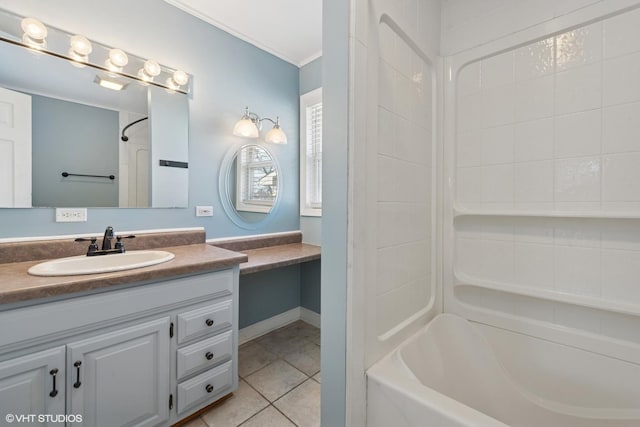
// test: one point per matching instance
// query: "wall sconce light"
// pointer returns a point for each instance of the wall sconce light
(35, 33)
(250, 124)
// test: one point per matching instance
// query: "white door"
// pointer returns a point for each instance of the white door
(15, 149)
(138, 174)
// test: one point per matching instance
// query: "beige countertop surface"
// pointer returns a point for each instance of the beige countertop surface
(16, 285)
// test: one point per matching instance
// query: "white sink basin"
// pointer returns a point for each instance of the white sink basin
(83, 264)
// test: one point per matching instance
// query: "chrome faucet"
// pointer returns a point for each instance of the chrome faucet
(108, 237)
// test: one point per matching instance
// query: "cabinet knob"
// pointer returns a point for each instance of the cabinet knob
(209, 388)
(209, 355)
(209, 322)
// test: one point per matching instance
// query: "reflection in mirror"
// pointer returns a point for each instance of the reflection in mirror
(251, 185)
(63, 120)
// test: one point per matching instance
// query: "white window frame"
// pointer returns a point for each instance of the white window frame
(307, 100)
(259, 206)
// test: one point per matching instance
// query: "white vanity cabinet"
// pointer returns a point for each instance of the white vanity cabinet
(33, 384)
(121, 378)
(144, 355)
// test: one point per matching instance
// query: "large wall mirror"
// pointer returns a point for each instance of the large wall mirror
(73, 153)
(250, 185)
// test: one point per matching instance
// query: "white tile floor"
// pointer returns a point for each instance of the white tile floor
(279, 382)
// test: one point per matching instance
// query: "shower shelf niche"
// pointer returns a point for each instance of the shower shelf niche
(457, 212)
(550, 295)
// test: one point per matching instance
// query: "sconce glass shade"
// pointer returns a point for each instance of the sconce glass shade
(246, 128)
(276, 136)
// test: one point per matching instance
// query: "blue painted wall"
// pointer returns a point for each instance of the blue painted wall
(311, 76)
(310, 285)
(268, 293)
(229, 74)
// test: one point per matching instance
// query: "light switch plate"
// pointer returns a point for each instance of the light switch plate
(71, 214)
(204, 210)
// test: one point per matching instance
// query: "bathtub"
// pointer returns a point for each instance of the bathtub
(458, 373)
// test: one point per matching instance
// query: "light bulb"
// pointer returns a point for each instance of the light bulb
(80, 45)
(177, 79)
(79, 50)
(118, 57)
(35, 33)
(180, 77)
(34, 29)
(117, 60)
(152, 68)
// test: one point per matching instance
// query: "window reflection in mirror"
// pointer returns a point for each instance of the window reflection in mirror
(252, 184)
(257, 180)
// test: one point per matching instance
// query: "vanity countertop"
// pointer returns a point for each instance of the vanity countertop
(262, 259)
(270, 251)
(16, 285)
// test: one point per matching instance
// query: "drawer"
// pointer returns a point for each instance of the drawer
(204, 386)
(204, 354)
(204, 321)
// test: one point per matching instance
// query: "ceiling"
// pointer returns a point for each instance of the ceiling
(288, 29)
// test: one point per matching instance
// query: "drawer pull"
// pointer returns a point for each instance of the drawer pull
(209, 355)
(209, 322)
(77, 365)
(209, 388)
(53, 373)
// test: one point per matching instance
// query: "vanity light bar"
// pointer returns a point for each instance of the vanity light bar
(31, 33)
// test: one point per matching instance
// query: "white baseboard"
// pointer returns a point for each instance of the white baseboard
(311, 317)
(278, 321)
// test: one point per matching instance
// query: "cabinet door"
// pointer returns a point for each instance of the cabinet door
(121, 378)
(27, 386)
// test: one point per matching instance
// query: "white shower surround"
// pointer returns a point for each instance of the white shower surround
(543, 241)
(455, 373)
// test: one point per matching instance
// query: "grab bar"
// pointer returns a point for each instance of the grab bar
(66, 174)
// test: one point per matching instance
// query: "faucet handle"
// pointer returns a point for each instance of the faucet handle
(93, 247)
(119, 245)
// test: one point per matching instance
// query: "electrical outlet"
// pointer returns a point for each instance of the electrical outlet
(71, 214)
(204, 210)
